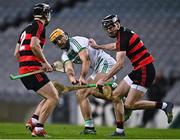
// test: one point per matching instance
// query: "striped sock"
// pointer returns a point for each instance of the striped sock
(35, 116)
(89, 123)
(120, 127)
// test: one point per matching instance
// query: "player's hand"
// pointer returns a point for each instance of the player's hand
(82, 81)
(100, 82)
(93, 43)
(74, 81)
(47, 67)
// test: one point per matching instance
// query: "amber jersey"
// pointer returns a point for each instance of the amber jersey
(130, 42)
(28, 61)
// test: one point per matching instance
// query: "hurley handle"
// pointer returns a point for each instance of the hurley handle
(14, 77)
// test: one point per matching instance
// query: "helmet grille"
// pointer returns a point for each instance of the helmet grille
(109, 20)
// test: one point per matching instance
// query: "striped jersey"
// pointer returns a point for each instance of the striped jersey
(28, 61)
(130, 42)
(77, 44)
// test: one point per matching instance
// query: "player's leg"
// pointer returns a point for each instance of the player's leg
(142, 79)
(50, 93)
(44, 87)
(139, 77)
(31, 123)
(82, 98)
(37, 111)
(121, 91)
(133, 102)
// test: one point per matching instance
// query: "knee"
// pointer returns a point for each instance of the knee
(54, 99)
(128, 105)
(81, 95)
(115, 97)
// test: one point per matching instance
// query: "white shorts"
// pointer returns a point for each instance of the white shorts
(103, 66)
(134, 86)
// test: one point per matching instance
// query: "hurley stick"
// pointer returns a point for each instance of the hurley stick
(15, 77)
(57, 66)
(62, 89)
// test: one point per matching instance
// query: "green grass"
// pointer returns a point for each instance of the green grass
(59, 131)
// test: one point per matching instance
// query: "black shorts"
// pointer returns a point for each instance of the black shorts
(143, 76)
(35, 82)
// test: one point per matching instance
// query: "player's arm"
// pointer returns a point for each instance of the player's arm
(120, 58)
(36, 49)
(110, 46)
(16, 51)
(83, 54)
(68, 66)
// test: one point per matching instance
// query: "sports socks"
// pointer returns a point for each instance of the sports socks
(164, 105)
(161, 105)
(39, 127)
(89, 123)
(35, 116)
(120, 127)
(35, 119)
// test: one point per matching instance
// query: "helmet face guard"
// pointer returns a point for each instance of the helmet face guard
(42, 10)
(109, 20)
(55, 41)
(47, 16)
(111, 25)
(57, 36)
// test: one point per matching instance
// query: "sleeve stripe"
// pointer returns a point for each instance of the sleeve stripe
(79, 47)
(66, 61)
(133, 38)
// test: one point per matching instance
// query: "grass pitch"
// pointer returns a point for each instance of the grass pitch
(59, 131)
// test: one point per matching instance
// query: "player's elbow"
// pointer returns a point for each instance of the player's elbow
(16, 55)
(122, 65)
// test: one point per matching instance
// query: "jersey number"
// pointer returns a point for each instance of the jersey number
(23, 35)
